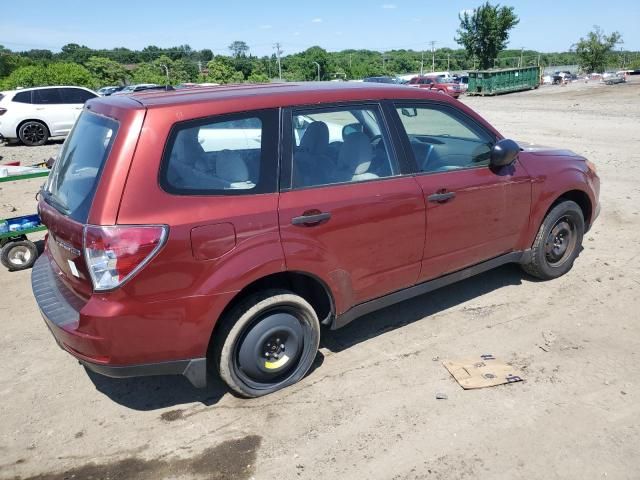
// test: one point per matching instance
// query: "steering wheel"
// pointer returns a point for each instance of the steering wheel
(375, 141)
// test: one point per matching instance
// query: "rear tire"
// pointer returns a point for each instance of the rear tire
(267, 342)
(33, 133)
(557, 243)
(19, 255)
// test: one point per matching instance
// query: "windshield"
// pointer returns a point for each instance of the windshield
(74, 178)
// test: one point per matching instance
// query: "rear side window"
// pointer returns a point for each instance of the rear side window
(225, 155)
(75, 95)
(47, 96)
(74, 178)
(22, 97)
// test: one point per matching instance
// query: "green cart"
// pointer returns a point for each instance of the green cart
(17, 252)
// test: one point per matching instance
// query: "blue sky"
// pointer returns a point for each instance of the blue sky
(382, 25)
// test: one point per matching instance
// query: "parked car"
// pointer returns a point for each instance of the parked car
(437, 83)
(33, 115)
(463, 81)
(383, 80)
(143, 87)
(106, 91)
(206, 230)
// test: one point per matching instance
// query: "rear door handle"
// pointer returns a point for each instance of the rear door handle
(311, 219)
(441, 197)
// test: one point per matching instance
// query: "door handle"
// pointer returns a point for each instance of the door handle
(311, 219)
(441, 197)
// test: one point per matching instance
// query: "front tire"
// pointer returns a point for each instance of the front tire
(267, 342)
(558, 242)
(33, 133)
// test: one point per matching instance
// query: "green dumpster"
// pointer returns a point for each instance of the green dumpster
(504, 80)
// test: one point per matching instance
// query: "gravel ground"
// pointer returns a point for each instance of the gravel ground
(369, 408)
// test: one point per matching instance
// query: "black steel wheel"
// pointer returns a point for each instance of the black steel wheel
(19, 255)
(267, 342)
(558, 242)
(33, 133)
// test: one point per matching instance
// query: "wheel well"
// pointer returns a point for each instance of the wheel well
(32, 120)
(583, 201)
(309, 287)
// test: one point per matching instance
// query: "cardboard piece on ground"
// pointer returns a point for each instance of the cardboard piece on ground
(480, 372)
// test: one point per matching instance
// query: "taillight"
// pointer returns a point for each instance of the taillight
(3, 111)
(116, 253)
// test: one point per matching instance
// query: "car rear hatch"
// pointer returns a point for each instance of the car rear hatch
(85, 185)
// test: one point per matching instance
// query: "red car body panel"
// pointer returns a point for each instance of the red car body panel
(490, 209)
(383, 235)
(355, 253)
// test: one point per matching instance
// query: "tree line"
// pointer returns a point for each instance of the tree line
(483, 35)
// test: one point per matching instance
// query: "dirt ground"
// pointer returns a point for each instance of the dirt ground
(369, 408)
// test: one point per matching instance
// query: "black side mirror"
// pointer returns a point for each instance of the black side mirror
(503, 153)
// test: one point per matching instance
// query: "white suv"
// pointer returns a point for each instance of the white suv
(35, 114)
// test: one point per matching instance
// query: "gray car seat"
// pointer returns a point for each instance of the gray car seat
(232, 169)
(355, 158)
(188, 166)
(311, 161)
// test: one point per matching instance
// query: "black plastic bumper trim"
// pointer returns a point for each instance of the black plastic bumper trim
(194, 369)
(55, 305)
(428, 286)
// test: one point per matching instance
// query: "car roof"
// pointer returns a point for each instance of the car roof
(281, 94)
(30, 89)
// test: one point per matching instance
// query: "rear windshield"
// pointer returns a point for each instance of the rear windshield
(74, 178)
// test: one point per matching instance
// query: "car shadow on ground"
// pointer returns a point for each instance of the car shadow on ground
(151, 393)
(409, 311)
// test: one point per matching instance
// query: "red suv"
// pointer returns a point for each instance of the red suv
(222, 227)
(437, 83)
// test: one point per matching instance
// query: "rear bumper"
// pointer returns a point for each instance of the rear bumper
(60, 310)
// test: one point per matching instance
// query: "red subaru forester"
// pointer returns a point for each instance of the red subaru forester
(221, 227)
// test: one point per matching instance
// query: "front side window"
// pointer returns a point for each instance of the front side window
(339, 145)
(47, 96)
(228, 155)
(442, 140)
(76, 95)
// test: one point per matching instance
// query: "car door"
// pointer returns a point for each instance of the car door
(50, 107)
(74, 99)
(347, 212)
(473, 212)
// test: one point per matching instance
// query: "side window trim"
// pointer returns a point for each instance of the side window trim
(404, 138)
(287, 143)
(268, 176)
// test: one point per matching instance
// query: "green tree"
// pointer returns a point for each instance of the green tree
(53, 74)
(239, 49)
(485, 32)
(594, 51)
(72, 52)
(221, 71)
(106, 71)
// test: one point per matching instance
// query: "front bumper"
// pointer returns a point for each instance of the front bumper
(60, 310)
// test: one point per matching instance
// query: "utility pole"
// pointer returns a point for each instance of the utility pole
(422, 64)
(350, 55)
(448, 62)
(383, 58)
(433, 55)
(278, 53)
(521, 52)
